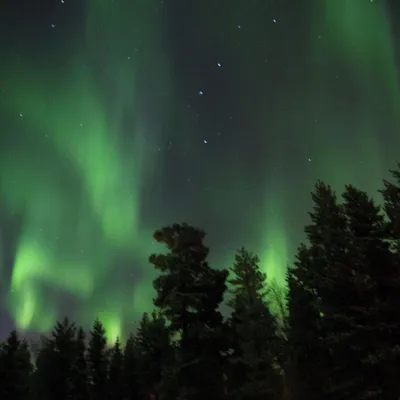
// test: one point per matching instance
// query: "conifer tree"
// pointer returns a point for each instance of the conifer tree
(15, 369)
(116, 373)
(130, 370)
(341, 268)
(79, 381)
(328, 261)
(378, 239)
(44, 376)
(153, 351)
(98, 362)
(63, 338)
(54, 363)
(254, 369)
(359, 308)
(189, 293)
(306, 352)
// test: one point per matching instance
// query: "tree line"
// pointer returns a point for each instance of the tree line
(336, 338)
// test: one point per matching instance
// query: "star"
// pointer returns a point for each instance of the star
(219, 64)
(205, 141)
(201, 93)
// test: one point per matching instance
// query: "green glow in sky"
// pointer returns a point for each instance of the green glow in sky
(350, 38)
(360, 47)
(82, 153)
(69, 243)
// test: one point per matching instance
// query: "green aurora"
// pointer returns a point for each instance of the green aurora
(69, 242)
(80, 185)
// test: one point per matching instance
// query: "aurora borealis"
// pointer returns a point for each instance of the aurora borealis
(121, 116)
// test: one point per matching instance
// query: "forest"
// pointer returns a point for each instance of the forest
(335, 336)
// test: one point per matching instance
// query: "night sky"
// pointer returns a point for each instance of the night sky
(122, 116)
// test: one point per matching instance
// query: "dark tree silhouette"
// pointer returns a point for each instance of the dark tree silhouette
(189, 293)
(79, 380)
(154, 351)
(130, 370)
(54, 363)
(98, 362)
(337, 336)
(254, 370)
(306, 353)
(341, 271)
(15, 369)
(116, 373)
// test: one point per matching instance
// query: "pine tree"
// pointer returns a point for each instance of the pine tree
(383, 249)
(254, 369)
(360, 307)
(15, 369)
(79, 381)
(45, 376)
(340, 236)
(116, 373)
(130, 370)
(153, 351)
(319, 300)
(63, 338)
(306, 352)
(98, 362)
(54, 363)
(328, 261)
(189, 293)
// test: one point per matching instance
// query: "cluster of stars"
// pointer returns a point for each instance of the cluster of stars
(219, 65)
(200, 92)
